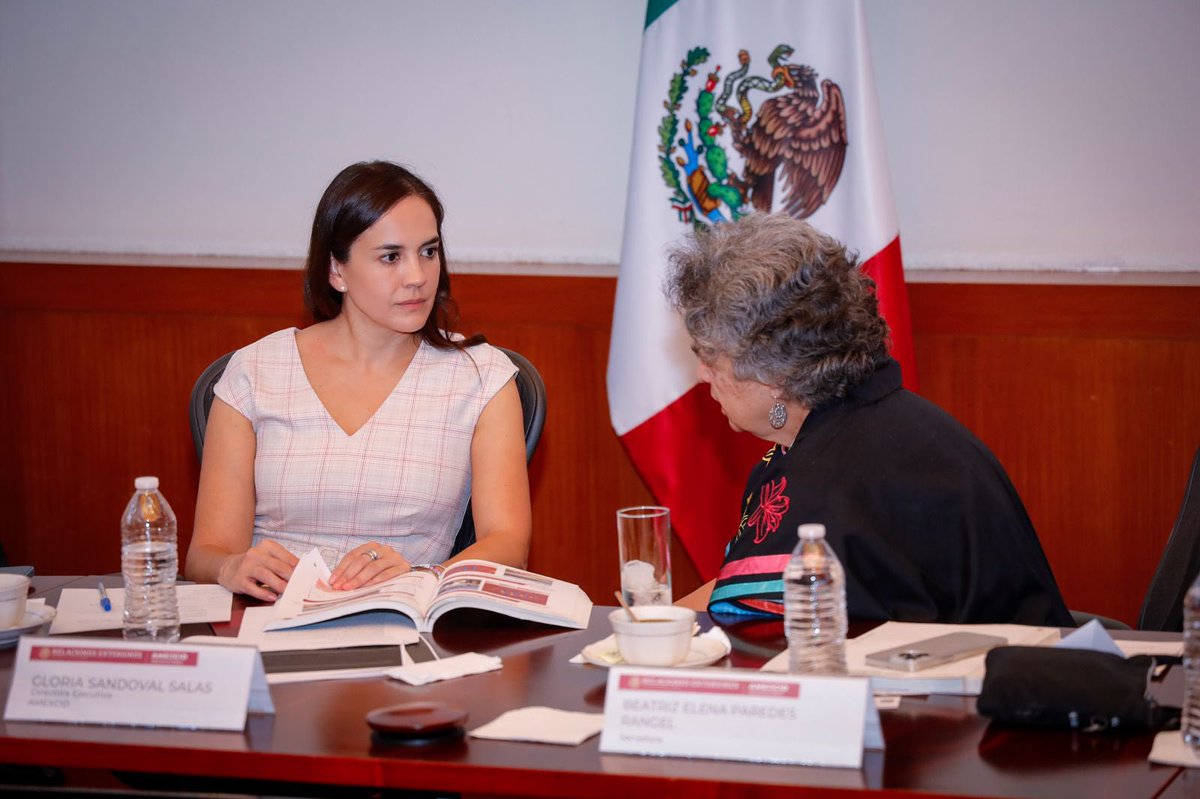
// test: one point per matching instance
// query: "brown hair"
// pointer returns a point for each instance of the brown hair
(357, 197)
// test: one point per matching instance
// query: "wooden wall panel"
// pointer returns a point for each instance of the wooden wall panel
(101, 361)
(1086, 394)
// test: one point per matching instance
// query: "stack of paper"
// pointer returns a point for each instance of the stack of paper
(964, 677)
(79, 609)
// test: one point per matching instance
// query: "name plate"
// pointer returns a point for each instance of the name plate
(740, 715)
(110, 681)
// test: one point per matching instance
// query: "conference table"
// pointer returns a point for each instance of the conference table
(318, 744)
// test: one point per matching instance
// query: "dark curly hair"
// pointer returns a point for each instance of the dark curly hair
(357, 197)
(788, 305)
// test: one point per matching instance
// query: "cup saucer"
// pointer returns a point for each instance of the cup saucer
(35, 617)
(704, 651)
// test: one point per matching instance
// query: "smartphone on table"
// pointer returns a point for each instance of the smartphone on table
(936, 651)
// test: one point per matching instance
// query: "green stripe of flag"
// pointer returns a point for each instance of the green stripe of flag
(655, 9)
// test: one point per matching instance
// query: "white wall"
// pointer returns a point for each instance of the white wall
(1043, 133)
(1050, 134)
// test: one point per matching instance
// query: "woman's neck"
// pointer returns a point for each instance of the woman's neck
(360, 341)
(786, 435)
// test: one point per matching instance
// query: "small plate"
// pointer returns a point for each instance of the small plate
(417, 722)
(34, 617)
(704, 651)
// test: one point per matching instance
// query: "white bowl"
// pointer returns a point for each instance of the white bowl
(661, 638)
(13, 590)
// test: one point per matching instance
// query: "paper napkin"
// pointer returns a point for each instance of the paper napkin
(1171, 750)
(445, 669)
(544, 725)
(1091, 636)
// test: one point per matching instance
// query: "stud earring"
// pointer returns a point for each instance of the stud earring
(778, 414)
(343, 288)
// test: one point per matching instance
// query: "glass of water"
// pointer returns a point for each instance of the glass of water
(644, 541)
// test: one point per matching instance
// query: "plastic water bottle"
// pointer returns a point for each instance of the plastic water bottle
(149, 563)
(814, 602)
(1190, 721)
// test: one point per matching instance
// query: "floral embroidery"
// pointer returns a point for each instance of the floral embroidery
(772, 505)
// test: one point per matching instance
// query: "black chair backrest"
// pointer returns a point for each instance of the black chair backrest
(533, 408)
(533, 400)
(529, 386)
(1180, 563)
(202, 399)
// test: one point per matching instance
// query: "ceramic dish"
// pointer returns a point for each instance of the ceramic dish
(704, 651)
(35, 616)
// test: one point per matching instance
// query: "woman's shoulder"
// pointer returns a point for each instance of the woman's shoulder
(260, 363)
(493, 356)
(914, 438)
(482, 355)
(280, 340)
(479, 367)
(272, 351)
(271, 346)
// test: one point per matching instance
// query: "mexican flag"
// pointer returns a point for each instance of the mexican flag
(741, 106)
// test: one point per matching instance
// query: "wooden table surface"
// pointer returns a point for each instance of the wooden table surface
(936, 745)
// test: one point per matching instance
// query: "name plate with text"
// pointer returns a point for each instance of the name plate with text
(740, 715)
(110, 681)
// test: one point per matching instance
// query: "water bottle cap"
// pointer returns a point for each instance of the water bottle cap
(149, 483)
(811, 532)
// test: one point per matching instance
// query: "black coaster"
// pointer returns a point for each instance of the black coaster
(417, 723)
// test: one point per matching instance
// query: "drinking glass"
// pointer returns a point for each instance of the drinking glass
(644, 541)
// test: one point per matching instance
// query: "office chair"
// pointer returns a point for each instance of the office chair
(202, 399)
(533, 408)
(1180, 563)
(1082, 617)
(529, 386)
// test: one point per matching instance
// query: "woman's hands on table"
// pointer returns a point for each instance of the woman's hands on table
(261, 571)
(368, 564)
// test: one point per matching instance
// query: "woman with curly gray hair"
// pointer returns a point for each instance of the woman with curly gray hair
(928, 526)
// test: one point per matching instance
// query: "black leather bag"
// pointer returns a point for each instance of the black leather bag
(1071, 688)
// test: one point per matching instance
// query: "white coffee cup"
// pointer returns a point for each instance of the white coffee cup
(661, 638)
(13, 590)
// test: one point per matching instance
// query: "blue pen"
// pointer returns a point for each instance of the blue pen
(105, 602)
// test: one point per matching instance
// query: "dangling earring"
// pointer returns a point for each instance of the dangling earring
(777, 416)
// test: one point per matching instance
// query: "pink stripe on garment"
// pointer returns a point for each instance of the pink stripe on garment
(763, 564)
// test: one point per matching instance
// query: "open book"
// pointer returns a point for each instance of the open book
(423, 597)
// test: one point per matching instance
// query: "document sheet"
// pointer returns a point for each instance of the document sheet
(79, 609)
